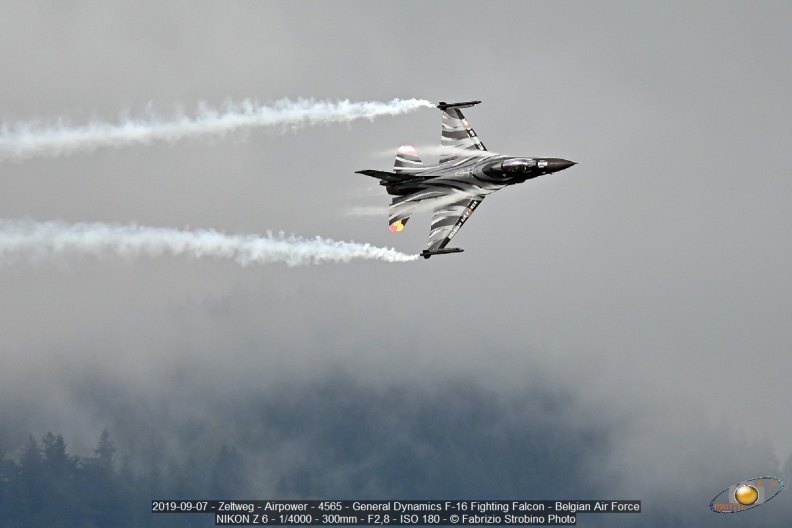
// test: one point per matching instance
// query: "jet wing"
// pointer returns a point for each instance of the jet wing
(448, 219)
(457, 136)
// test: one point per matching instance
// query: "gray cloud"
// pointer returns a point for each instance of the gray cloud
(647, 287)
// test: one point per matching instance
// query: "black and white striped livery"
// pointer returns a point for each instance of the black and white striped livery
(407, 160)
(455, 187)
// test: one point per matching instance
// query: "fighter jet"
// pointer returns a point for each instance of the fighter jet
(454, 188)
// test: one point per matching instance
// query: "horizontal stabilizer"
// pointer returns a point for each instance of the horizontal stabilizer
(426, 253)
(390, 177)
(383, 175)
(443, 106)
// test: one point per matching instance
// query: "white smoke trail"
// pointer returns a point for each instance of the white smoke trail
(25, 140)
(376, 210)
(29, 240)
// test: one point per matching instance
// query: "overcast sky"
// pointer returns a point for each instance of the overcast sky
(630, 314)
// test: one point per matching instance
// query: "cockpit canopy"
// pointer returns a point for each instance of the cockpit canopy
(516, 166)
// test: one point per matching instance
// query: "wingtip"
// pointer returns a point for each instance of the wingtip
(426, 253)
(442, 105)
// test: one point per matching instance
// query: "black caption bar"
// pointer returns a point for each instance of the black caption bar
(395, 512)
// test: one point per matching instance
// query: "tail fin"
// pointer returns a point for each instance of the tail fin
(407, 161)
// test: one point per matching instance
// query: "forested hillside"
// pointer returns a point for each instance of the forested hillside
(45, 486)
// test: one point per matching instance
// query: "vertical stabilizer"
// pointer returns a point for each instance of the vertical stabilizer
(407, 160)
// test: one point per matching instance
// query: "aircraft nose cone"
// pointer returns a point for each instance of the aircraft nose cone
(557, 164)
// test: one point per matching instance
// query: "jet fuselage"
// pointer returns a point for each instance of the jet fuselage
(454, 188)
(485, 172)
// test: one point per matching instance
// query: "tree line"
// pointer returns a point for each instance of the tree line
(45, 486)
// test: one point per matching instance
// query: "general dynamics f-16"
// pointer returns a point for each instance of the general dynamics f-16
(455, 187)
